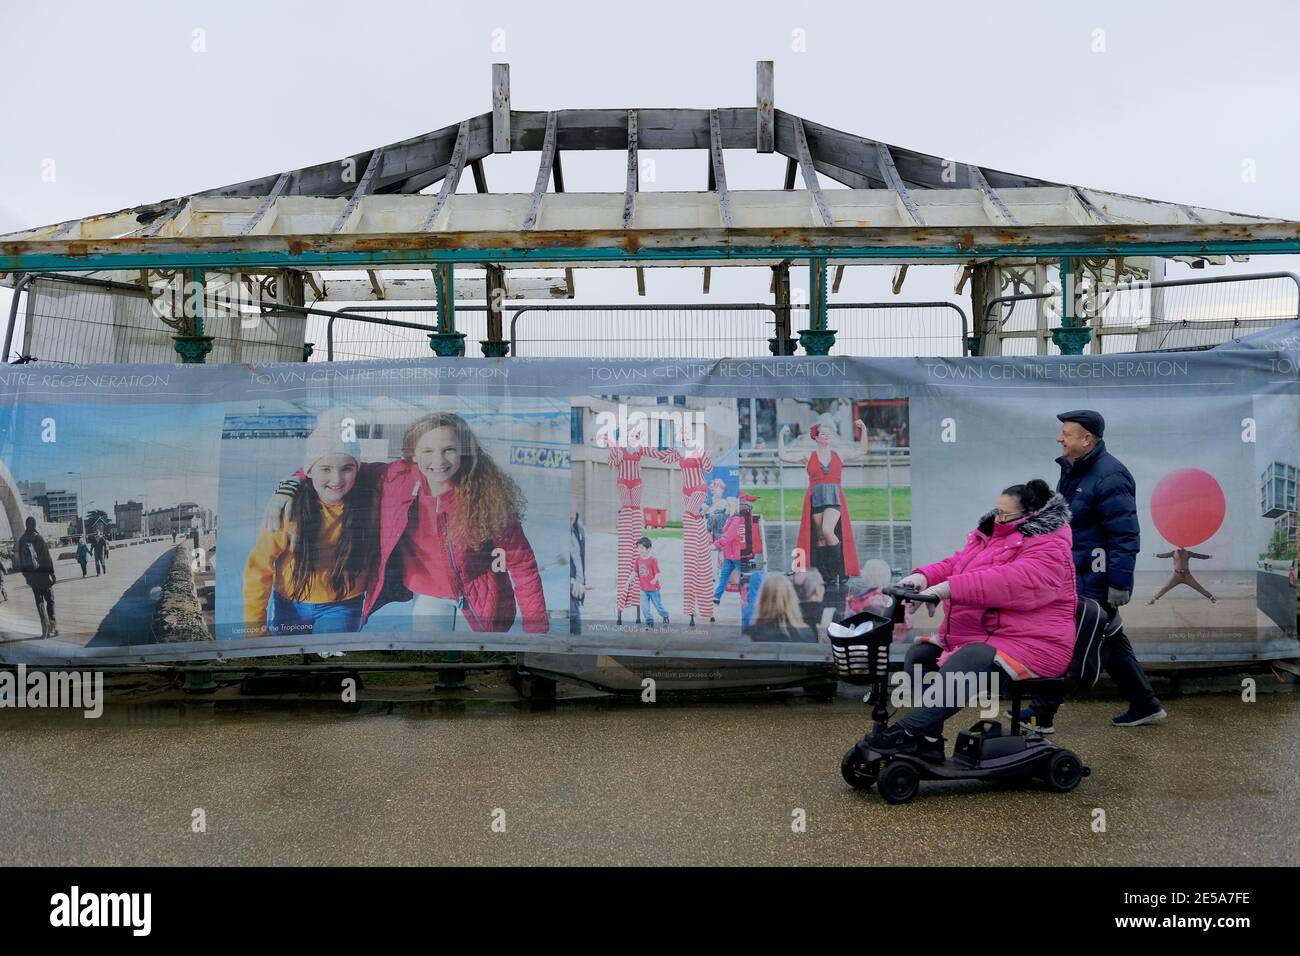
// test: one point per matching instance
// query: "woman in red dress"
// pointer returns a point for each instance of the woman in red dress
(825, 533)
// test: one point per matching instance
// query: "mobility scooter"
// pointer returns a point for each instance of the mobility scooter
(860, 645)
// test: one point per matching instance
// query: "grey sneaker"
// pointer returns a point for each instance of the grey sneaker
(1136, 718)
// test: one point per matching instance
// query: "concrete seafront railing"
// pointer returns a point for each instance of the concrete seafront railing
(885, 466)
(178, 616)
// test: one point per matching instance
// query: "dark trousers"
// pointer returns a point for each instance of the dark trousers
(101, 565)
(1122, 665)
(972, 659)
(44, 594)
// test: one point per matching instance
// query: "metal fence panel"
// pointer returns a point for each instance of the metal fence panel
(898, 328)
(642, 331)
(1150, 316)
(719, 331)
(1197, 314)
(81, 321)
(358, 333)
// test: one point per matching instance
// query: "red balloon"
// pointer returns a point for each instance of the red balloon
(1188, 507)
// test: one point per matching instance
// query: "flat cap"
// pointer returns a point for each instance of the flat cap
(1090, 420)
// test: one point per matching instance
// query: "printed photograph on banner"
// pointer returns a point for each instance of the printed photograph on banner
(825, 491)
(1189, 572)
(109, 526)
(1277, 463)
(419, 518)
(654, 484)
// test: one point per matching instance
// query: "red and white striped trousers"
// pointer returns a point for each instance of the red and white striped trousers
(697, 556)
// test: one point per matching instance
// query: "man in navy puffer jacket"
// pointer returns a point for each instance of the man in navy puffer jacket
(1103, 507)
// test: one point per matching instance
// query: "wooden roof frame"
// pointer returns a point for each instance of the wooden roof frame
(901, 206)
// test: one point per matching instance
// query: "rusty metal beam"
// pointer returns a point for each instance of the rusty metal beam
(544, 167)
(718, 170)
(363, 188)
(280, 186)
(451, 181)
(810, 174)
(998, 211)
(618, 246)
(889, 173)
(1089, 207)
(153, 228)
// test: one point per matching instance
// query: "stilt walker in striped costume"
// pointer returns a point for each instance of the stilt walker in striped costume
(631, 520)
(697, 543)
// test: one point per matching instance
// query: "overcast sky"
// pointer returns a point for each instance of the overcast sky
(1181, 98)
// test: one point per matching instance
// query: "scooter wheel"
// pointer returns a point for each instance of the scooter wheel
(858, 773)
(898, 781)
(1064, 770)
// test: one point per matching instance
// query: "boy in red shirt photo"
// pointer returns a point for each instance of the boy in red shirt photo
(647, 572)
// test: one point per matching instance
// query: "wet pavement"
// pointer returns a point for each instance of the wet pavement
(624, 783)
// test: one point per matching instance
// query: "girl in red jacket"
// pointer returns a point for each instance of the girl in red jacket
(451, 535)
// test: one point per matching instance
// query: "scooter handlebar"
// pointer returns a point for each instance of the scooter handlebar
(911, 594)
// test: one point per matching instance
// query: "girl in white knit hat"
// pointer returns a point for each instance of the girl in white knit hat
(310, 575)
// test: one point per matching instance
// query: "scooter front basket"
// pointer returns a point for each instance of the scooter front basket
(860, 647)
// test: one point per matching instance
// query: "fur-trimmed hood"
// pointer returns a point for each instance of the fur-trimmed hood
(1051, 517)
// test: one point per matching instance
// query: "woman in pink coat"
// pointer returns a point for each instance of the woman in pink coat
(1009, 602)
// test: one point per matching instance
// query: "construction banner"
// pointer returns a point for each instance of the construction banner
(685, 508)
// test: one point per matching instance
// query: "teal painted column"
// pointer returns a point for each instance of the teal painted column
(1070, 337)
(192, 345)
(817, 339)
(446, 342)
